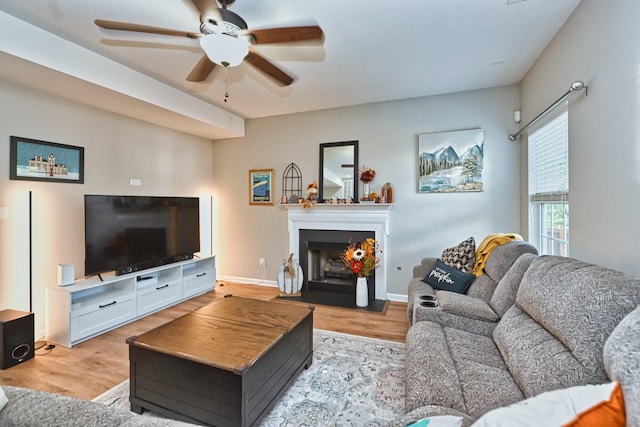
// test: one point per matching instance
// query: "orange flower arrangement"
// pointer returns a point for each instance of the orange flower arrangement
(367, 174)
(362, 257)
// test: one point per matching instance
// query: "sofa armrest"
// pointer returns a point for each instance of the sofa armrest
(27, 407)
(425, 266)
(437, 315)
(466, 306)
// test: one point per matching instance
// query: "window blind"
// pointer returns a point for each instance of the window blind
(549, 161)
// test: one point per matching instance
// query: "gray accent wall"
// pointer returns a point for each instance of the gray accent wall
(420, 224)
(599, 44)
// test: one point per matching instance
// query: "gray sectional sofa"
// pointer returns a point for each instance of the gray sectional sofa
(565, 328)
(487, 298)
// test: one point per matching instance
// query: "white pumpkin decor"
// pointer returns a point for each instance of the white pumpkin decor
(290, 277)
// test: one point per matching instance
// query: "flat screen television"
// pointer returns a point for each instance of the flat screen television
(132, 233)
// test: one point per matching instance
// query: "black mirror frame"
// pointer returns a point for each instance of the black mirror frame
(356, 179)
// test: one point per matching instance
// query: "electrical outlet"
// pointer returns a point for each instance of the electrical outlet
(263, 262)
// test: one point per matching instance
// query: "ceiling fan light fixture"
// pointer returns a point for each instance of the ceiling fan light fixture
(224, 47)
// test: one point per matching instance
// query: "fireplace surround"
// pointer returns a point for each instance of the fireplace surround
(354, 220)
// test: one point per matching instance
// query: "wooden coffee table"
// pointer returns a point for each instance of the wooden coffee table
(224, 364)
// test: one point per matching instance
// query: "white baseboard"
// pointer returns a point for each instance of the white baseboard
(397, 297)
(248, 280)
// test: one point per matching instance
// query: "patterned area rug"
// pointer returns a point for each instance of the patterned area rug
(353, 381)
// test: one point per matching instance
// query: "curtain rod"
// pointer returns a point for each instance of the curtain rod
(575, 87)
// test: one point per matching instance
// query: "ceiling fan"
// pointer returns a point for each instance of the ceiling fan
(226, 40)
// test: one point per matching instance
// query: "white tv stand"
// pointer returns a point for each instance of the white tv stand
(92, 306)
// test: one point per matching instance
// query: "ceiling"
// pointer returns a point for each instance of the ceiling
(373, 51)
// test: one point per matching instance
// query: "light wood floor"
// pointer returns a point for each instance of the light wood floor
(94, 366)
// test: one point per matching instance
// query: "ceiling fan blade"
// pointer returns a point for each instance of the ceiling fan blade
(138, 28)
(286, 34)
(268, 68)
(208, 10)
(201, 71)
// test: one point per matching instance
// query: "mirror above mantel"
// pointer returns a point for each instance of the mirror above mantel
(338, 171)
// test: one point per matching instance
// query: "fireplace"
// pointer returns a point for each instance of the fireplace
(319, 234)
(323, 269)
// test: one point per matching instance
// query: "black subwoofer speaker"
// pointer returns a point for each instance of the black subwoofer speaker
(16, 337)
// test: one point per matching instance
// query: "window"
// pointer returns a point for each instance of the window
(549, 186)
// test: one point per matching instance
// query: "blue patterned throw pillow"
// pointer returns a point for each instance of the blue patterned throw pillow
(447, 278)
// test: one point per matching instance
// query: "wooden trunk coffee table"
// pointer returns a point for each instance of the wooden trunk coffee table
(224, 364)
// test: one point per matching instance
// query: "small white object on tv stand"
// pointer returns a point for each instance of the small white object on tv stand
(66, 274)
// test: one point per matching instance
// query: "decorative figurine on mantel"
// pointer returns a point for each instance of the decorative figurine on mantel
(312, 195)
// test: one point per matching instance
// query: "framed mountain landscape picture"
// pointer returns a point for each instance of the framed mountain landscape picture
(451, 162)
(261, 187)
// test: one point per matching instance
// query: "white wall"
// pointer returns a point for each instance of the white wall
(599, 44)
(116, 149)
(421, 224)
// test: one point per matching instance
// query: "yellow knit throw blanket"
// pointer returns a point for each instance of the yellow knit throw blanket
(487, 245)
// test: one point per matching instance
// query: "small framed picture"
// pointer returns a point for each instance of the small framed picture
(261, 187)
(34, 160)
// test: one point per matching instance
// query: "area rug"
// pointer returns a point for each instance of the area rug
(353, 381)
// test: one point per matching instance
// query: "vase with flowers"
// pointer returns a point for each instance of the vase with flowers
(362, 258)
(367, 175)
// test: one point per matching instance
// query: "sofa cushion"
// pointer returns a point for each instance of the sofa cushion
(482, 287)
(448, 278)
(455, 369)
(537, 360)
(464, 305)
(504, 295)
(462, 256)
(502, 258)
(622, 362)
(486, 381)
(565, 310)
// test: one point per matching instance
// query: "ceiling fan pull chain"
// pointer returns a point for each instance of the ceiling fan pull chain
(226, 84)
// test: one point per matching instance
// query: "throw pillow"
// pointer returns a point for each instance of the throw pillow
(564, 407)
(461, 256)
(447, 278)
(438, 421)
(609, 412)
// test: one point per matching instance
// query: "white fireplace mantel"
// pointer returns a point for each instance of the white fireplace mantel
(358, 217)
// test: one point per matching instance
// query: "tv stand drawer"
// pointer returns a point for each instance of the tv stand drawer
(199, 282)
(109, 313)
(157, 296)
